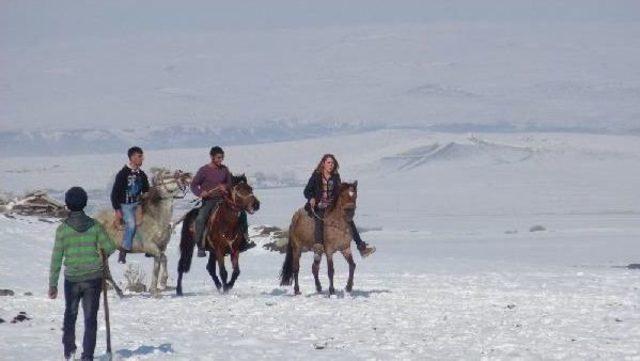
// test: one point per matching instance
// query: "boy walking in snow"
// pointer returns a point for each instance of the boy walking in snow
(79, 240)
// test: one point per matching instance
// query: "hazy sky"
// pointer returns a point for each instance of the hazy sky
(101, 64)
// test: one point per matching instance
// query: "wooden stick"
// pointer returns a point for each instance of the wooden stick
(106, 304)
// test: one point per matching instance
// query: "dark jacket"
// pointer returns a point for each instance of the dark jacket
(314, 187)
(128, 187)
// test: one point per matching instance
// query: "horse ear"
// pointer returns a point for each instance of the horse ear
(355, 184)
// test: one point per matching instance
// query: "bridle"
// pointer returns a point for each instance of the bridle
(174, 179)
(235, 195)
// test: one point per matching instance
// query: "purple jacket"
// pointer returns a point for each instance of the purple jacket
(209, 177)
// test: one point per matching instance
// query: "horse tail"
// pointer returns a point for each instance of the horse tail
(286, 274)
(187, 242)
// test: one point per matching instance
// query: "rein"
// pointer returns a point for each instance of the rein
(313, 211)
(163, 185)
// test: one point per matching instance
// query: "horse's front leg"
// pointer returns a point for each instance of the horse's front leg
(211, 268)
(164, 275)
(315, 269)
(223, 271)
(179, 283)
(235, 263)
(153, 288)
(352, 267)
(109, 279)
(330, 272)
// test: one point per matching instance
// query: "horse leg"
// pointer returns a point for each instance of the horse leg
(315, 269)
(223, 270)
(352, 267)
(153, 288)
(164, 275)
(296, 270)
(109, 279)
(330, 272)
(179, 285)
(235, 262)
(211, 267)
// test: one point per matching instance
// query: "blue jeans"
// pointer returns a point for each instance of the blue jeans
(129, 217)
(87, 292)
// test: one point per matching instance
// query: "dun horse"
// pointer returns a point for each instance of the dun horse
(337, 237)
(223, 234)
(154, 231)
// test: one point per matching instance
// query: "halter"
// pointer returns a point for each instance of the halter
(173, 179)
(234, 195)
(346, 205)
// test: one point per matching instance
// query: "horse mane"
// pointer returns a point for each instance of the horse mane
(343, 187)
(242, 178)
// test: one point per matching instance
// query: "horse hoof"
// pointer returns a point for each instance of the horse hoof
(348, 288)
(297, 292)
(332, 291)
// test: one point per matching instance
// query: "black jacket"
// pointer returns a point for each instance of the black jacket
(314, 187)
(128, 187)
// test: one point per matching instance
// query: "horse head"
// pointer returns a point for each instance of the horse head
(347, 195)
(242, 194)
(171, 184)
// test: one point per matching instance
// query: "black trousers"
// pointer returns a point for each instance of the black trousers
(87, 292)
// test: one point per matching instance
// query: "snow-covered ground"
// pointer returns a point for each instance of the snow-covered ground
(457, 275)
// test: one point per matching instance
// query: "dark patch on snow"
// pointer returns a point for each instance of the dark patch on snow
(6, 292)
(634, 266)
(21, 317)
(537, 228)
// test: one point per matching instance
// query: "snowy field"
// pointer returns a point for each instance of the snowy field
(457, 276)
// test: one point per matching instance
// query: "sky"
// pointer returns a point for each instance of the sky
(123, 64)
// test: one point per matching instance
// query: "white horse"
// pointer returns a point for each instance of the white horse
(154, 229)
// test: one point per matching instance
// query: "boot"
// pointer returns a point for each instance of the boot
(247, 243)
(365, 249)
(201, 252)
(70, 356)
(122, 257)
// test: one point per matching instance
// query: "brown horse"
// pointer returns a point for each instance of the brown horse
(337, 237)
(223, 234)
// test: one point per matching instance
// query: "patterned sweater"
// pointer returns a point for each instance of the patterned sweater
(78, 239)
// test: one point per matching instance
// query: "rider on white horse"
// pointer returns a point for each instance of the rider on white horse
(131, 182)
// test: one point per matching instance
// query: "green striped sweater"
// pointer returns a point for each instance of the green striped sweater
(80, 253)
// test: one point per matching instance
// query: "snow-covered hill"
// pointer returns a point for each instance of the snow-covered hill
(458, 274)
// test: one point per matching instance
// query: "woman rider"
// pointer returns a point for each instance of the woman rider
(321, 191)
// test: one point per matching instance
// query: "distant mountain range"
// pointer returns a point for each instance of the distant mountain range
(93, 141)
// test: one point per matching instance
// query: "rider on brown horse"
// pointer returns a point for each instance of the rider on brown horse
(321, 192)
(211, 184)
